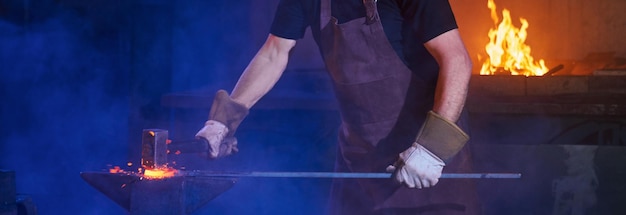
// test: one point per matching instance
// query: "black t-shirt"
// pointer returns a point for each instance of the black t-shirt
(408, 24)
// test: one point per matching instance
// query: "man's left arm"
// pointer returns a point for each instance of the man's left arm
(455, 69)
(440, 138)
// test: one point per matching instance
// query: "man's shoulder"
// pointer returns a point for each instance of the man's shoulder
(292, 17)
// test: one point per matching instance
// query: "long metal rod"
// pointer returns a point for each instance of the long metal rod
(342, 175)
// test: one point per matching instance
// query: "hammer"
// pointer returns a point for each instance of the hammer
(155, 146)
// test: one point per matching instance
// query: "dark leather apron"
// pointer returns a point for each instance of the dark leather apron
(382, 105)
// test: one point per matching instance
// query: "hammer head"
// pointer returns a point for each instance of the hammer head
(154, 148)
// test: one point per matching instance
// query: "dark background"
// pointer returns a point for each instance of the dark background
(80, 79)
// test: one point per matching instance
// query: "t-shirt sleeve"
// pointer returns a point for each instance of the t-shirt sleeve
(289, 20)
(430, 18)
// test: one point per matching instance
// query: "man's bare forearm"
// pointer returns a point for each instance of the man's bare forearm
(451, 91)
(455, 69)
(263, 71)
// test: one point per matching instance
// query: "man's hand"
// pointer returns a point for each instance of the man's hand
(417, 167)
(437, 142)
(215, 133)
(224, 118)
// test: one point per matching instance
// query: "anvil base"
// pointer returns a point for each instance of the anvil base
(176, 195)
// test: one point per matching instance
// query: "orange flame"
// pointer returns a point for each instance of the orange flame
(506, 48)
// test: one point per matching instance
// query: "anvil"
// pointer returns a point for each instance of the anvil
(175, 195)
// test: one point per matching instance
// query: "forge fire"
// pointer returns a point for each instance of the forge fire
(507, 51)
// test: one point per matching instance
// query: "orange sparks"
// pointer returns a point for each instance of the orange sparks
(507, 50)
(150, 174)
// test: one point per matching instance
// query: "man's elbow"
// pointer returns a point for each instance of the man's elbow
(467, 62)
(461, 62)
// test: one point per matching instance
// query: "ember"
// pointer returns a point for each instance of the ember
(506, 49)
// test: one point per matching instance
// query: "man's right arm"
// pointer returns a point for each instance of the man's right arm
(257, 79)
(263, 71)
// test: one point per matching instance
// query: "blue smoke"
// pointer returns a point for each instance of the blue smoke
(63, 110)
(67, 90)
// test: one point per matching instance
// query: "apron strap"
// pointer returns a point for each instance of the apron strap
(324, 13)
(371, 11)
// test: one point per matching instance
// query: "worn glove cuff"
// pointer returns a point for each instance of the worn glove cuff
(441, 137)
(227, 111)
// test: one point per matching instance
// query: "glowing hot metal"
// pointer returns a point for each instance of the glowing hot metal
(159, 173)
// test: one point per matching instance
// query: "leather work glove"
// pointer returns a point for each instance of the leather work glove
(214, 133)
(419, 168)
(421, 164)
(219, 130)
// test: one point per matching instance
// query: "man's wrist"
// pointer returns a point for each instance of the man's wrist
(227, 111)
(441, 137)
